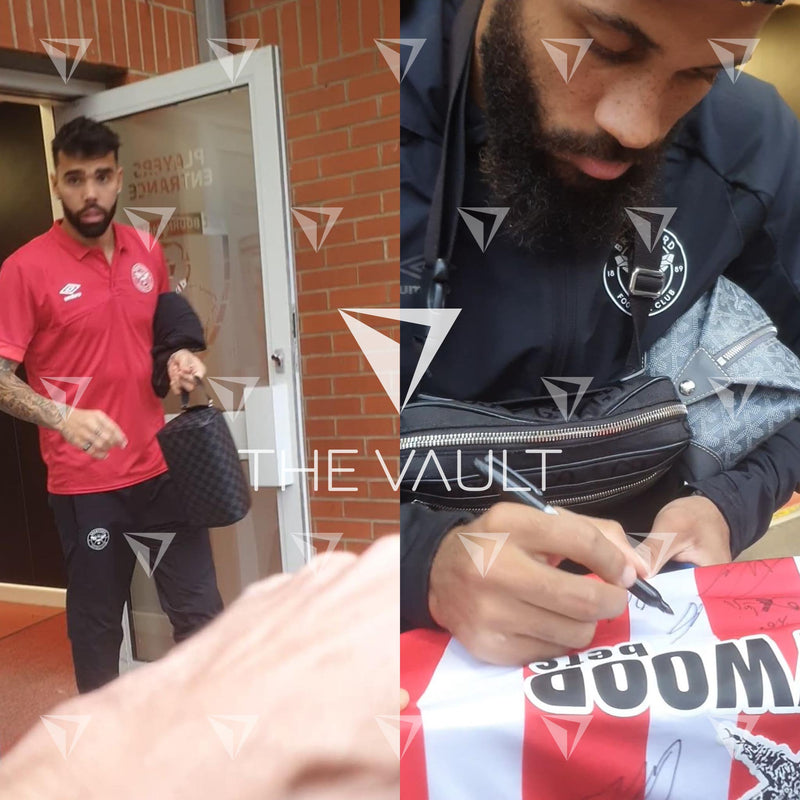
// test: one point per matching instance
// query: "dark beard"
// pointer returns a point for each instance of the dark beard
(545, 211)
(95, 229)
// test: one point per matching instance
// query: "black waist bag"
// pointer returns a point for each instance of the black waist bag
(618, 441)
(204, 465)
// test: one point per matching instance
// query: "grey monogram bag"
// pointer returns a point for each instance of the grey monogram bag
(739, 383)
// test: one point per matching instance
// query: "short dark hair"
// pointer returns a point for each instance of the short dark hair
(85, 138)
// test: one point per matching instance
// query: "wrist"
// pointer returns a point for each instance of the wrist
(699, 515)
(440, 560)
(175, 353)
(60, 418)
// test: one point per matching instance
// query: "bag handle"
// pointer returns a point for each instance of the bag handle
(185, 395)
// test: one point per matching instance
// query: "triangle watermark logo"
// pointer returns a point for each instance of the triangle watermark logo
(652, 548)
(567, 731)
(383, 353)
(561, 397)
(149, 230)
(225, 395)
(233, 730)
(399, 730)
(59, 56)
(318, 558)
(65, 730)
(59, 395)
(311, 225)
(733, 54)
(650, 223)
(142, 551)
(393, 50)
(483, 223)
(732, 401)
(474, 544)
(232, 54)
(567, 54)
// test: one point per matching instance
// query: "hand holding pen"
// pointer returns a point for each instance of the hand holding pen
(494, 583)
(515, 487)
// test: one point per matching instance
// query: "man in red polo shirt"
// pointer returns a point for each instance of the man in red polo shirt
(77, 307)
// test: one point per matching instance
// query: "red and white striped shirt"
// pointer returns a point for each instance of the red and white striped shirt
(705, 704)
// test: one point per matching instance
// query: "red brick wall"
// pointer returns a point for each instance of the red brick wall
(146, 36)
(342, 105)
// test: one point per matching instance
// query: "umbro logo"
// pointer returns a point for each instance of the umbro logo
(70, 291)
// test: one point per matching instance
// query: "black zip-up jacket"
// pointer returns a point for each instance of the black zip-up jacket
(734, 175)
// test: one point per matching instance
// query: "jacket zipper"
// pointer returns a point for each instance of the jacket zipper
(744, 344)
(593, 497)
(551, 435)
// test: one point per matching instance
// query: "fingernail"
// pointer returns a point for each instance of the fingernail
(628, 576)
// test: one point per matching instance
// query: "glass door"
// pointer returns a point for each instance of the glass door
(203, 155)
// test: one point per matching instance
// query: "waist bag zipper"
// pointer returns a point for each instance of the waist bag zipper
(551, 435)
(593, 497)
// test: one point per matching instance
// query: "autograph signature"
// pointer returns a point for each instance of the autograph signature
(658, 784)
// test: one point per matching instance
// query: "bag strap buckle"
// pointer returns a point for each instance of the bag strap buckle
(646, 282)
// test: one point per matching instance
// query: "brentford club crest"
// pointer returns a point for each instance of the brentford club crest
(616, 275)
(98, 538)
(142, 278)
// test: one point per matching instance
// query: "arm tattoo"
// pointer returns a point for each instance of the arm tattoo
(20, 401)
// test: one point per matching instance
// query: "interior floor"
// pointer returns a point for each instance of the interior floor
(35, 667)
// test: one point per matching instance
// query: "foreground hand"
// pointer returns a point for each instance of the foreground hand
(524, 609)
(689, 529)
(182, 368)
(307, 664)
(92, 427)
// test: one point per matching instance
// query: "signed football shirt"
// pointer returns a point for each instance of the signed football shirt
(699, 706)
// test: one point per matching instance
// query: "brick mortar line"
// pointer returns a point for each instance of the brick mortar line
(345, 127)
(321, 62)
(95, 25)
(141, 37)
(153, 26)
(356, 415)
(343, 199)
(13, 24)
(309, 89)
(342, 288)
(171, 8)
(124, 16)
(335, 175)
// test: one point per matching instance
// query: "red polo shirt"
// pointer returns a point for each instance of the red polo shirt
(84, 330)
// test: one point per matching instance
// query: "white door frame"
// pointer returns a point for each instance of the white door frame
(261, 74)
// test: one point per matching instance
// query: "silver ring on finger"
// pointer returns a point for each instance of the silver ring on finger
(87, 446)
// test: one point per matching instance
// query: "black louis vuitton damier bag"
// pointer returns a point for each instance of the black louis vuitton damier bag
(204, 465)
